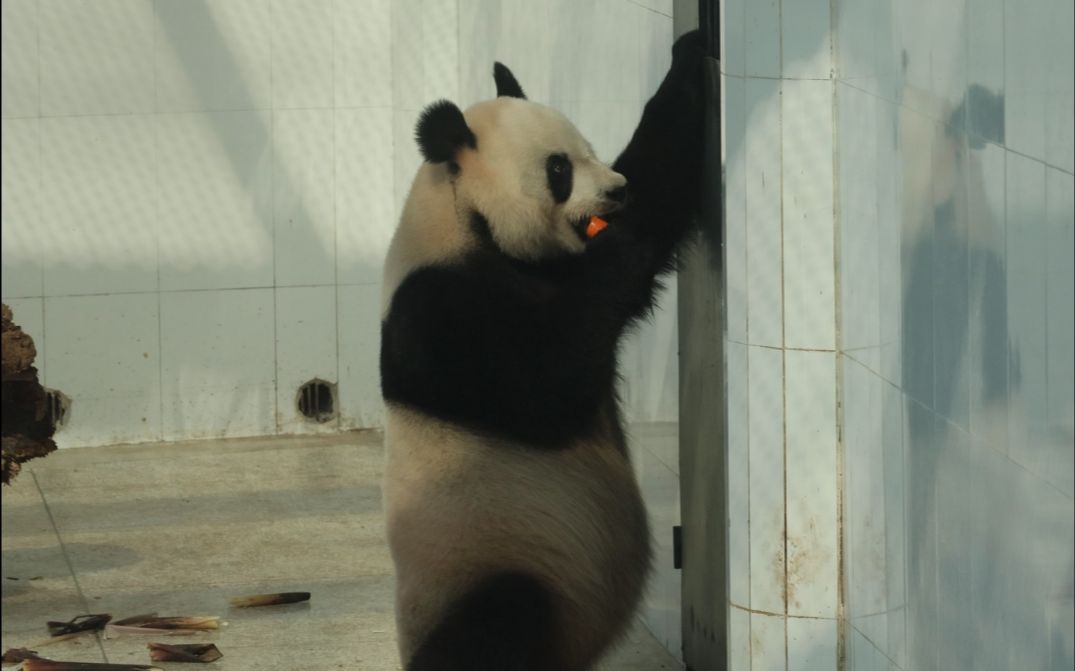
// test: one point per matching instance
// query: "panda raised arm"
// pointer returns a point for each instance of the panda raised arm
(514, 519)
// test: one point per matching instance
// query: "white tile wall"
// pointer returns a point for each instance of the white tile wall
(214, 180)
(1024, 77)
(1060, 215)
(439, 50)
(96, 57)
(213, 56)
(807, 152)
(306, 348)
(364, 71)
(1059, 97)
(764, 251)
(888, 215)
(768, 574)
(406, 156)
(986, 205)
(733, 39)
(365, 217)
(654, 54)
(811, 644)
(985, 61)
(968, 108)
(739, 643)
(927, 299)
(736, 355)
(892, 621)
(768, 650)
(408, 61)
(217, 363)
(865, 489)
(780, 251)
(303, 51)
(761, 37)
(864, 655)
(1026, 247)
(860, 132)
(735, 210)
(359, 331)
(806, 49)
(663, 7)
(478, 39)
(20, 177)
(651, 355)
(99, 201)
(103, 352)
(18, 26)
(661, 608)
(304, 197)
(525, 43)
(812, 485)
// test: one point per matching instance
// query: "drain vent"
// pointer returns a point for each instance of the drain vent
(317, 401)
(58, 407)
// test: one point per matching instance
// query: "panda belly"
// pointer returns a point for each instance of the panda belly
(461, 508)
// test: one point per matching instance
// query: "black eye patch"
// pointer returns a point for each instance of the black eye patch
(559, 175)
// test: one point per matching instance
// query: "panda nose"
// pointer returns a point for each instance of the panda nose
(617, 195)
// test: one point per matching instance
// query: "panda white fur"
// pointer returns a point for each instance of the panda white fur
(514, 518)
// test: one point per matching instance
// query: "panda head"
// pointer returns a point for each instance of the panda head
(520, 171)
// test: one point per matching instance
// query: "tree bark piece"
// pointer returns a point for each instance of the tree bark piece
(26, 427)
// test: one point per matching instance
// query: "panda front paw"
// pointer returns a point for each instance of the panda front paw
(689, 49)
(685, 77)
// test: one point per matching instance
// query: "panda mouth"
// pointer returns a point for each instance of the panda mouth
(580, 225)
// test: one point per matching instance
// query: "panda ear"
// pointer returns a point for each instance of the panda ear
(442, 131)
(506, 85)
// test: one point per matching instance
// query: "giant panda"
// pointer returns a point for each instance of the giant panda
(513, 515)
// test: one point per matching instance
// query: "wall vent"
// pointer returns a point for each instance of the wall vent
(58, 408)
(317, 401)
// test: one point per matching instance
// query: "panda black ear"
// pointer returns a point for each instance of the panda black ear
(442, 131)
(506, 85)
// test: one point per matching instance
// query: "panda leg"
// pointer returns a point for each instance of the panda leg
(505, 623)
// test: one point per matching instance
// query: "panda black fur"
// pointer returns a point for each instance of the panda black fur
(514, 517)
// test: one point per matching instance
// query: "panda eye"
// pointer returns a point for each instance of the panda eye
(558, 174)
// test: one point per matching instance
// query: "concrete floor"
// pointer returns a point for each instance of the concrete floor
(180, 528)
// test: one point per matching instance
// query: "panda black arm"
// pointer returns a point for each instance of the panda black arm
(663, 161)
(493, 350)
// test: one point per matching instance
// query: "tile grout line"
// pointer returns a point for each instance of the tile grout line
(336, 222)
(758, 611)
(276, 415)
(159, 229)
(781, 100)
(37, 187)
(923, 113)
(189, 291)
(842, 620)
(67, 559)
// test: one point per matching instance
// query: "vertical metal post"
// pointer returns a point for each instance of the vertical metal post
(703, 398)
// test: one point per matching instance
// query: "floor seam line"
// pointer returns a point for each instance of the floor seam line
(67, 560)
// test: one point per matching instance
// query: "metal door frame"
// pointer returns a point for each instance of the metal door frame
(702, 541)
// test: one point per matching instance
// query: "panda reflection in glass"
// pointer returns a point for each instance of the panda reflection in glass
(514, 518)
